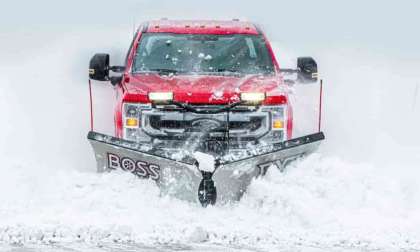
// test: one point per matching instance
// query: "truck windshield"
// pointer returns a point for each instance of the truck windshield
(202, 54)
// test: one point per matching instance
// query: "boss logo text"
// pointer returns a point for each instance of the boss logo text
(138, 167)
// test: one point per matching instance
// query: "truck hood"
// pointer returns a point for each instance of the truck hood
(201, 89)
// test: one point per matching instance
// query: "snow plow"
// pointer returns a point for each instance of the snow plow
(202, 109)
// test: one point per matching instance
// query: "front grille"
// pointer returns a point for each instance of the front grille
(157, 123)
(164, 122)
(252, 125)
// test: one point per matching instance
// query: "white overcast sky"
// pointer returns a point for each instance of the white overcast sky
(380, 26)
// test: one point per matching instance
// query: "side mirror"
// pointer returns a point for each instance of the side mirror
(307, 70)
(99, 67)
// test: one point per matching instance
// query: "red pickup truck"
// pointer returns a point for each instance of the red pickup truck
(208, 86)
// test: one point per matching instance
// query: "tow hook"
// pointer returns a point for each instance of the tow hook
(207, 193)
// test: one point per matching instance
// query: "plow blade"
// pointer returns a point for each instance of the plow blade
(180, 175)
(179, 178)
(233, 176)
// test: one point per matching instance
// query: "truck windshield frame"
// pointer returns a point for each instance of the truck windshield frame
(202, 54)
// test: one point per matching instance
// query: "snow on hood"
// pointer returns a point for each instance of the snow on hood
(204, 88)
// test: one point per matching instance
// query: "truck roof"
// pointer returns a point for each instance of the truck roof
(202, 27)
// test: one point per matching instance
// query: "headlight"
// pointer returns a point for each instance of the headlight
(278, 118)
(253, 97)
(132, 120)
(161, 96)
(132, 123)
(131, 115)
(278, 124)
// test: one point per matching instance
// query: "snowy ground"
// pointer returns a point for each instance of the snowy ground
(360, 192)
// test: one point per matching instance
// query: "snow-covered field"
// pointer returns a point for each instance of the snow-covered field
(359, 192)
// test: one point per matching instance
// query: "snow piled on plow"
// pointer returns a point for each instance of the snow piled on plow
(359, 191)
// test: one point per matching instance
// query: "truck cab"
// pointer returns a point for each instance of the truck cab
(207, 85)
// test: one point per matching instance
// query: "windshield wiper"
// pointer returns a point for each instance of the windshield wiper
(167, 71)
(221, 70)
(224, 71)
(164, 70)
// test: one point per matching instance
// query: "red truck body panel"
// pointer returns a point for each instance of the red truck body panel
(202, 27)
